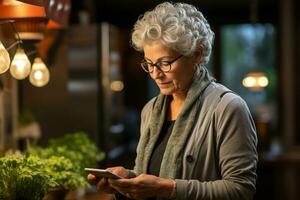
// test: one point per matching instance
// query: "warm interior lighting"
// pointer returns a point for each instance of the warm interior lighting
(34, 2)
(4, 59)
(30, 28)
(10, 2)
(53, 25)
(263, 81)
(117, 86)
(255, 81)
(15, 10)
(31, 36)
(39, 75)
(20, 65)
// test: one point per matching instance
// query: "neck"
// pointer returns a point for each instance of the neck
(178, 99)
(175, 106)
(180, 96)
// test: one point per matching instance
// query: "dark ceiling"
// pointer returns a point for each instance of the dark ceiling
(125, 12)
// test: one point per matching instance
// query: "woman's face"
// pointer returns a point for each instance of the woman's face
(178, 79)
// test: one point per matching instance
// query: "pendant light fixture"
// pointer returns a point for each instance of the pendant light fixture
(4, 59)
(39, 75)
(255, 80)
(20, 65)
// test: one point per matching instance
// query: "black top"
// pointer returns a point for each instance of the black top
(157, 154)
(159, 149)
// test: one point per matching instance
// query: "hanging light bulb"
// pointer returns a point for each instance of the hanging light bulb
(39, 75)
(20, 66)
(256, 81)
(4, 59)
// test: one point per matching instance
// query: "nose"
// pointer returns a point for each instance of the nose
(157, 73)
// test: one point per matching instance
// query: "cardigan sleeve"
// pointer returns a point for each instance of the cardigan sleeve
(236, 143)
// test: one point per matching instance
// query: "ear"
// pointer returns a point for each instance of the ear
(198, 54)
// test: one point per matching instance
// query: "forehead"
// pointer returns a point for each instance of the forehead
(156, 50)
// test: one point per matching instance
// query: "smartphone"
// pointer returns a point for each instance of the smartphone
(100, 173)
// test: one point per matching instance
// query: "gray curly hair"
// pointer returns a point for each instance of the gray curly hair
(179, 26)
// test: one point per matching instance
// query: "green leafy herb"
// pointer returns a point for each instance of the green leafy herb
(60, 165)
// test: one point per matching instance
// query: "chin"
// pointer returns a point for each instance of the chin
(166, 91)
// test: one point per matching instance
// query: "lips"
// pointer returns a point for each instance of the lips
(163, 85)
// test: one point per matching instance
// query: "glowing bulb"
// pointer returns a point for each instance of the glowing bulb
(39, 75)
(4, 59)
(20, 66)
(255, 81)
(249, 81)
(117, 86)
(263, 81)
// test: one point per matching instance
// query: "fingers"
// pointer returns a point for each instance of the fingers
(124, 186)
(121, 171)
(122, 183)
(110, 185)
(92, 179)
(136, 188)
(143, 186)
(104, 186)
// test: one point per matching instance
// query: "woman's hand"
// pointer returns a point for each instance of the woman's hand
(143, 186)
(103, 183)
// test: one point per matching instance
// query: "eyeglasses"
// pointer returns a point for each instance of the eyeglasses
(164, 66)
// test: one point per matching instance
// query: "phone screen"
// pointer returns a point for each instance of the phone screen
(100, 173)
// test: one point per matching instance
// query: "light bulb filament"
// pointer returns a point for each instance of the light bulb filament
(38, 75)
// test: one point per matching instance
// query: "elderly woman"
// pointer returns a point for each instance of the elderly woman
(198, 138)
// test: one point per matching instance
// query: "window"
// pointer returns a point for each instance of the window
(249, 48)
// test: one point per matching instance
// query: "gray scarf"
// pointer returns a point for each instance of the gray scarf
(171, 165)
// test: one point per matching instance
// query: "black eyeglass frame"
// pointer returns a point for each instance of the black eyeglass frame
(144, 61)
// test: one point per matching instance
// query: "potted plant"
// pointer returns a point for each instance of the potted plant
(48, 172)
(65, 177)
(76, 147)
(23, 178)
